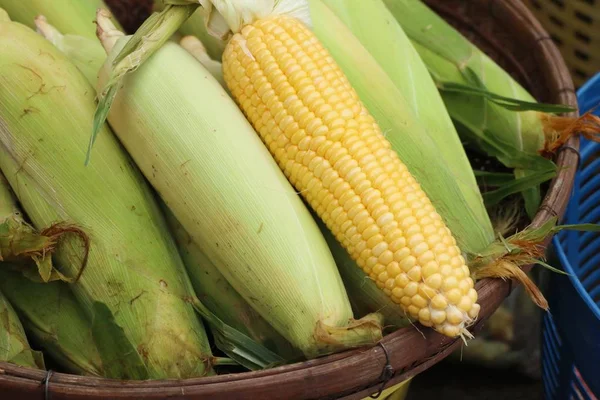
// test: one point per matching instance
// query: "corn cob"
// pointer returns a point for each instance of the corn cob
(517, 139)
(133, 268)
(55, 321)
(68, 16)
(334, 153)
(401, 67)
(14, 347)
(231, 197)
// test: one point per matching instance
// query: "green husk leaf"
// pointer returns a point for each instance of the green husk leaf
(14, 346)
(493, 178)
(509, 103)
(119, 356)
(153, 33)
(578, 227)
(550, 267)
(235, 344)
(518, 185)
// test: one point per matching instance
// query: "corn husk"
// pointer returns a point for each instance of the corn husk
(50, 314)
(231, 326)
(133, 272)
(196, 48)
(232, 198)
(86, 53)
(195, 26)
(494, 124)
(14, 346)
(57, 324)
(215, 292)
(68, 16)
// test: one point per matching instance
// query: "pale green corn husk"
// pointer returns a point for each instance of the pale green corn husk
(21, 243)
(134, 273)
(515, 138)
(68, 16)
(210, 285)
(53, 318)
(214, 173)
(220, 297)
(195, 26)
(14, 346)
(195, 47)
(86, 53)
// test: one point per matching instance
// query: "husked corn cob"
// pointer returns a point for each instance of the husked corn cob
(333, 152)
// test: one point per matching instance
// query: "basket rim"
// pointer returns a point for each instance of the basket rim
(305, 379)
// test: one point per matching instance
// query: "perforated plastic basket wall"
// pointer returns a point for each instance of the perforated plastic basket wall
(575, 27)
(571, 330)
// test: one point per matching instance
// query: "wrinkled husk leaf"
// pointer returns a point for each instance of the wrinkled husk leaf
(14, 346)
(46, 108)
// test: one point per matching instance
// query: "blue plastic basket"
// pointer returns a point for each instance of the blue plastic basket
(571, 330)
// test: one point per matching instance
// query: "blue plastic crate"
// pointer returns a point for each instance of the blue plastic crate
(571, 330)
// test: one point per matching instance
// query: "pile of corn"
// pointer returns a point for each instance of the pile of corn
(247, 184)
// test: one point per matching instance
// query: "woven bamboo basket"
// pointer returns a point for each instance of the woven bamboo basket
(509, 33)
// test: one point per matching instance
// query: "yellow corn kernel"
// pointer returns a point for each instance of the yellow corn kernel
(357, 184)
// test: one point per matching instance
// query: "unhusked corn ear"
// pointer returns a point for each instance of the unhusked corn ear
(333, 152)
(133, 267)
(209, 166)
